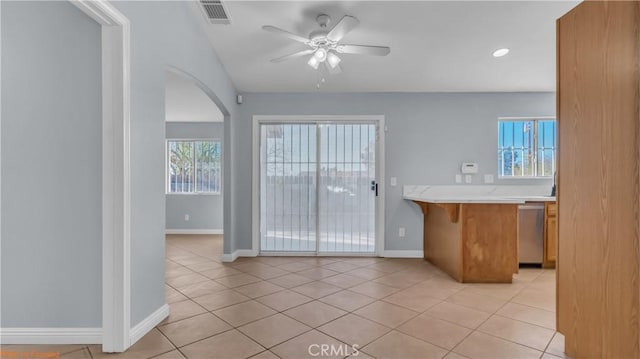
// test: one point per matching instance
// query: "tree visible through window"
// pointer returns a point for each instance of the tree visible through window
(526, 147)
(193, 166)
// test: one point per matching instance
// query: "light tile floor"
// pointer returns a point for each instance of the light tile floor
(285, 307)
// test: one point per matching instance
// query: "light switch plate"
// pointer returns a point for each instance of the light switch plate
(458, 178)
(468, 179)
(488, 178)
(393, 181)
(401, 232)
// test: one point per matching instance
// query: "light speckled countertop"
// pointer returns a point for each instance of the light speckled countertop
(477, 194)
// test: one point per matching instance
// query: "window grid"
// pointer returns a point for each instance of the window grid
(193, 166)
(526, 147)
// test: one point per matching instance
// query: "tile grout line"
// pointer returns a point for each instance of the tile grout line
(282, 312)
(494, 313)
(168, 351)
(474, 330)
(353, 313)
(477, 329)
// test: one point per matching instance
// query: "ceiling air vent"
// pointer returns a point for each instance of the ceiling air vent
(214, 11)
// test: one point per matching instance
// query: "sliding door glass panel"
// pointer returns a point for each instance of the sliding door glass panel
(336, 216)
(288, 219)
(347, 188)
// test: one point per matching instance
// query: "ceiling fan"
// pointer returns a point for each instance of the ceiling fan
(324, 45)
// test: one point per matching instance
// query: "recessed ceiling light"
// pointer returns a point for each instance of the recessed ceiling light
(500, 52)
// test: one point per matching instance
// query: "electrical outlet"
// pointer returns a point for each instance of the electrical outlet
(186, 217)
(488, 178)
(401, 232)
(394, 181)
(458, 178)
(468, 179)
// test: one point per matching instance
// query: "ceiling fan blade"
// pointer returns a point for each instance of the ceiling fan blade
(363, 50)
(333, 70)
(288, 34)
(294, 55)
(346, 24)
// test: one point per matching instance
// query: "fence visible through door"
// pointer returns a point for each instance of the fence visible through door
(318, 187)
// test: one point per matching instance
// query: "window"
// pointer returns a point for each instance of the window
(193, 166)
(527, 147)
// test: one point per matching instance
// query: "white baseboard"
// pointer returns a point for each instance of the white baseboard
(403, 254)
(387, 254)
(193, 231)
(238, 253)
(148, 323)
(228, 258)
(50, 335)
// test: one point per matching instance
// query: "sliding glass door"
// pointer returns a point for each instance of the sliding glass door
(318, 187)
(288, 201)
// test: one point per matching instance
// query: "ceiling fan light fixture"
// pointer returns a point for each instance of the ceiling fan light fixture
(321, 54)
(324, 45)
(313, 62)
(333, 60)
(500, 52)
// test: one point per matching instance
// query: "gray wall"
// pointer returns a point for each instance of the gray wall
(55, 233)
(163, 34)
(428, 137)
(204, 210)
(51, 166)
(51, 258)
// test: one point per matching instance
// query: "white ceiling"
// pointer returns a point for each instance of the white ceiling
(186, 102)
(436, 46)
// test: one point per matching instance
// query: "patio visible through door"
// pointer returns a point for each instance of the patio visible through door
(318, 187)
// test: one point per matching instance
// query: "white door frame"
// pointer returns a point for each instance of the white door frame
(255, 192)
(116, 182)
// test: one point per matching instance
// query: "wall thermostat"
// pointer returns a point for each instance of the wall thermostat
(469, 167)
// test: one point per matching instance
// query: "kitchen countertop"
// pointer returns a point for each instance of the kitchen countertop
(477, 194)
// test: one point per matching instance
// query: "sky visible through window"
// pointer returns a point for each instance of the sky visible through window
(527, 148)
(291, 148)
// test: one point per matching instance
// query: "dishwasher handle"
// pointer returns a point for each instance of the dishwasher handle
(531, 206)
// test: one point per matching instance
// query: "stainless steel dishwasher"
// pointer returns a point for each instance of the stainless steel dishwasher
(530, 233)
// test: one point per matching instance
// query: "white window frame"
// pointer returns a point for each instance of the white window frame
(535, 119)
(168, 174)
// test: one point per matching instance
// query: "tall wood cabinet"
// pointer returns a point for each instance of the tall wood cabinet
(598, 192)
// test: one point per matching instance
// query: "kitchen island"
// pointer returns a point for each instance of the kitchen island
(471, 232)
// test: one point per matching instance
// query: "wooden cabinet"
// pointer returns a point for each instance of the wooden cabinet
(550, 240)
(472, 242)
(598, 257)
(550, 230)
